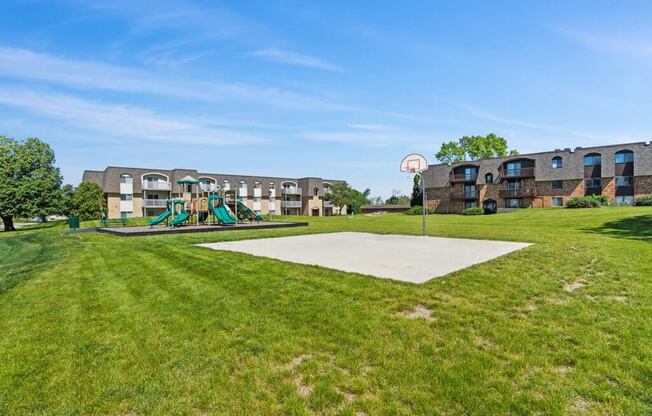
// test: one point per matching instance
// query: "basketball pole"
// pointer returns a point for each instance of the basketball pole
(416, 163)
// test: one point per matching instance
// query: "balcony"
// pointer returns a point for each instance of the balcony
(156, 186)
(328, 204)
(593, 190)
(154, 203)
(208, 187)
(518, 193)
(463, 177)
(292, 191)
(518, 173)
(291, 204)
(466, 195)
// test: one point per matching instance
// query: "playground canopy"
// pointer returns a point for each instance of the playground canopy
(188, 180)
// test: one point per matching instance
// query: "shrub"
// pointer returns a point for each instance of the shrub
(415, 210)
(644, 201)
(474, 211)
(591, 201)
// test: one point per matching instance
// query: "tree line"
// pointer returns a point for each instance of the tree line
(31, 185)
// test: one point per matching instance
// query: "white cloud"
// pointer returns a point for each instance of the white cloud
(119, 121)
(293, 58)
(611, 43)
(28, 65)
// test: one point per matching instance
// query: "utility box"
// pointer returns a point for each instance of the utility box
(73, 222)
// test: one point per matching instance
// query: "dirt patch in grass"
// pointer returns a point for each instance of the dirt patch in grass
(303, 390)
(580, 405)
(418, 312)
(296, 361)
(563, 369)
(572, 287)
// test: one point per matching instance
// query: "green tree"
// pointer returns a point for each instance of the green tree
(88, 201)
(450, 152)
(417, 194)
(397, 198)
(473, 148)
(29, 182)
(66, 206)
(342, 195)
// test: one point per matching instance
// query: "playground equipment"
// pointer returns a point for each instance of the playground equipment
(197, 205)
(244, 213)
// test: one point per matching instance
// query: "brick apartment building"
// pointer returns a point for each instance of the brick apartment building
(138, 192)
(622, 172)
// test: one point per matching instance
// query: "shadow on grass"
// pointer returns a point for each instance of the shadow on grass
(633, 228)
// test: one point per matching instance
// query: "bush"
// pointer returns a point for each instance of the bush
(644, 201)
(474, 211)
(415, 210)
(591, 201)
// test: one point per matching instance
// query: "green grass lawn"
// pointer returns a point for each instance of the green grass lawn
(98, 324)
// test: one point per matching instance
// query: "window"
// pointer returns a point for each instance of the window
(624, 181)
(226, 184)
(257, 199)
(513, 185)
(272, 187)
(557, 184)
(625, 200)
(272, 212)
(256, 185)
(625, 156)
(592, 160)
(126, 214)
(315, 191)
(592, 183)
(469, 191)
(512, 203)
(556, 162)
(514, 169)
(126, 197)
(126, 179)
(469, 204)
(470, 173)
(557, 202)
(489, 178)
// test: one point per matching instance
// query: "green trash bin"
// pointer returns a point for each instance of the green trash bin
(73, 222)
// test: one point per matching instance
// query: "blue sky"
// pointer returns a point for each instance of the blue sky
(335, 89)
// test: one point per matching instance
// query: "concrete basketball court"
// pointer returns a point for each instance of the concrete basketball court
(400, 257)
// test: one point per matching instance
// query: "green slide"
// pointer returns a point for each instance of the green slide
(244, 213)
(180, 219)
(222, 215)
(160, 218)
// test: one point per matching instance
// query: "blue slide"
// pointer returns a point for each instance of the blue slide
(160, 218)
(222, 215)
(180, 219)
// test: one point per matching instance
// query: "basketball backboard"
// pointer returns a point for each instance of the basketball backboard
(414, 163)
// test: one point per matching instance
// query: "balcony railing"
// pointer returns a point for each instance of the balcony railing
(157, 186)
(518, 193)
(292, 191)
(291, 204)
(154, 203)
(463, 177)
(460, 194)
(518, 173)
(208, 187)
(328, 204)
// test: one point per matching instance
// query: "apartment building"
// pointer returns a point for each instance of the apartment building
(137, 192)
(622, 172)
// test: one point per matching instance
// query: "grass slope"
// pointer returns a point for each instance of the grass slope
(98, 324)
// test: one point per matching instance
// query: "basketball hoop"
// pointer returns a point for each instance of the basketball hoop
(415, 163)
